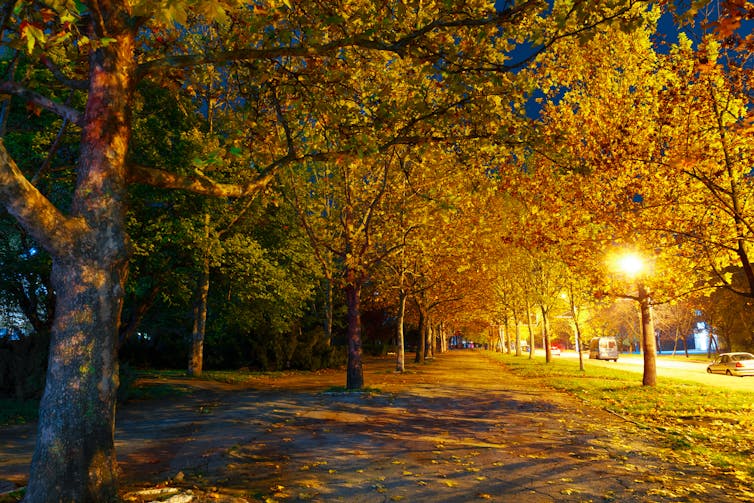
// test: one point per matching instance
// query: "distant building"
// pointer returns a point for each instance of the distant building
(702, 337)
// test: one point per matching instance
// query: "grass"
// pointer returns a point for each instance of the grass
(701, 425)
(224, 376)
(13, 411)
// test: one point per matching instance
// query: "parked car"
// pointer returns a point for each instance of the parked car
(603, 348)
(732, 364)
(554, 350)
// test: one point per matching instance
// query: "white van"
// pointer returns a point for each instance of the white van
(603, 348)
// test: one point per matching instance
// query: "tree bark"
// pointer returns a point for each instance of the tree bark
(545, 334)
(518, 333)
(355, 371)
(400, 351)
(422, 335)
(74, 459)
(648, 338)
(531, 330)
(196, 357)
(429, 348)
(577, 329)
(328, 311)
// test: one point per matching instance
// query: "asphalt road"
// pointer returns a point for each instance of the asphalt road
(692, 369)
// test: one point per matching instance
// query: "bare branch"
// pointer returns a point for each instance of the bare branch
(197, 182)
(68, 113)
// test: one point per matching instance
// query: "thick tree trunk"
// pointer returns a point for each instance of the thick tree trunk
(648, 338)
(74, 459)
(355, 371)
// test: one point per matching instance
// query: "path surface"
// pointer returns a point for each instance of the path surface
(457, 429)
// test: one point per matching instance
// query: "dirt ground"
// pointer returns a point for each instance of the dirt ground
(459, 428)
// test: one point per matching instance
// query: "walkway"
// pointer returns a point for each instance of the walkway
(457, 429)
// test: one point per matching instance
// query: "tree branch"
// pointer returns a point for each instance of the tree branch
(197, 182)
(68, 113)
(55, 232)
(81, 85)
(398, 46)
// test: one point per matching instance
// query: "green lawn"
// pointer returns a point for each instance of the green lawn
(702, 425)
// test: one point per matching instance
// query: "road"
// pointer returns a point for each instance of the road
(692, 369)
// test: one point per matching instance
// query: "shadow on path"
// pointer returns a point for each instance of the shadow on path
(457, 429)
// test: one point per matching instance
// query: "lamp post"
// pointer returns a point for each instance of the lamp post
(632, 265)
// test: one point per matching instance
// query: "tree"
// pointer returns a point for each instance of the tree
(678, 320)
(105, 49)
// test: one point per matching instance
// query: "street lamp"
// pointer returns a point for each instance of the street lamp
(633, 266)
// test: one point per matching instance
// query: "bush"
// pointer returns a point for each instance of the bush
(23, 365)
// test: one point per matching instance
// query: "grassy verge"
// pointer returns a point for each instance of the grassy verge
(224, 376)
(702, 425)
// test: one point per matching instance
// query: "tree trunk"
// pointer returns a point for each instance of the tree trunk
(577, 330)
(199, 329)
(531, 330)
(675, 340)
(545, 335)
(74, 459)
(648, 338)
(400, 351)
(506, 336)
(429, 347)
(422, 336)
(328, 311)
(443, 338)
(355, 371)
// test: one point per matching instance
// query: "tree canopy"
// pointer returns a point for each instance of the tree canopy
(350, 147)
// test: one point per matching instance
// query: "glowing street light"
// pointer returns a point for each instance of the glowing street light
(633, 266)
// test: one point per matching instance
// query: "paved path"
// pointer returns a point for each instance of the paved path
(457, 429)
